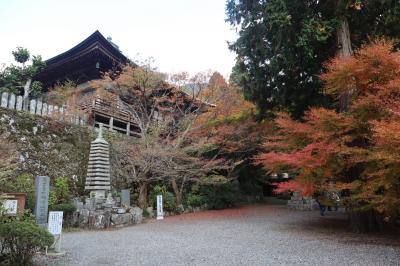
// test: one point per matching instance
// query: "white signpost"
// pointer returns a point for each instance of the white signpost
(160, 213)
(55, 228)
(11, 206)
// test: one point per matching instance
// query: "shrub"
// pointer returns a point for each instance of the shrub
(146, 213)
(67, 208)
(60, 193)
(20, 240)
(220, 196)
(169, 203)
(195, 200)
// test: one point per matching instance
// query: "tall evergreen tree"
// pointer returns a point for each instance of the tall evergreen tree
(283, 44)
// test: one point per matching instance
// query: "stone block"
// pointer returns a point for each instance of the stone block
(78, 204)
(75, 218)
(137, 215)
(125, 197)
(83, 218)
(90, 204)
(42, 189)
(107, 215)
(120, 219)
(99, 219)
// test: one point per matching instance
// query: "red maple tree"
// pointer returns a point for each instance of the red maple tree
(359, 149)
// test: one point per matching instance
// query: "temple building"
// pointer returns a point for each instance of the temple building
(88, 61)
(84, 62)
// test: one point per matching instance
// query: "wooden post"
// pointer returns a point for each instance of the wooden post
(128, 129)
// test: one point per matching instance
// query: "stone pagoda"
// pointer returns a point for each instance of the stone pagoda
(98, 173)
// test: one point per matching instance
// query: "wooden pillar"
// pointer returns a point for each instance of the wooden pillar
(128, 128)
(111, 123)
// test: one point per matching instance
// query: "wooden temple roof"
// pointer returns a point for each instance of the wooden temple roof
(85, 61)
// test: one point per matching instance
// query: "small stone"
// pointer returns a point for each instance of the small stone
(121, 210)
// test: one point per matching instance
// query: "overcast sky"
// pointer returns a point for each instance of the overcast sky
(188, 35)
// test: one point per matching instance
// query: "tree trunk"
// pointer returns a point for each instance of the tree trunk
(27, 90)
(343, 39)
(177, 192)
(344, 50)
(366, 221)
(142, 200)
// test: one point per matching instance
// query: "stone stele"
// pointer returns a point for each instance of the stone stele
(98, 174)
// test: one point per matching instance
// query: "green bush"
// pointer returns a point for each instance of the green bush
(146, 214)
(169, 203)
(60, 192)
(195, 200)
(67, 208)
(220, 196)
(20, 240)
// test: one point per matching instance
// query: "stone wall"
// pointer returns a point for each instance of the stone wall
(40, 145)
(93, 216)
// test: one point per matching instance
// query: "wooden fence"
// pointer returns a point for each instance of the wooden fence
(38, 107)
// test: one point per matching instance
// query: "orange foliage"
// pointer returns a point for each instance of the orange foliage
(230, 127)
(372, 66)
(293, 185)
(359, 149)
(227, 100)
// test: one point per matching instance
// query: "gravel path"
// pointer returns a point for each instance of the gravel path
(256, 235)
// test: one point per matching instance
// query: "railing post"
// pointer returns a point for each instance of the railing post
(32, 106)
(128, 128)
(20, 102)
(44, 109)
(61, 113)
(39, 107)
(11, 101)
(50, 109)
(111, 124)
(4, 99)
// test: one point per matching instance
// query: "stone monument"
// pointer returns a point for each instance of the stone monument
(42, 188)
(125, 197)
(98, 173)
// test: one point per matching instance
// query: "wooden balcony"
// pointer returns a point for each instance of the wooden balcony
(113, 114)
